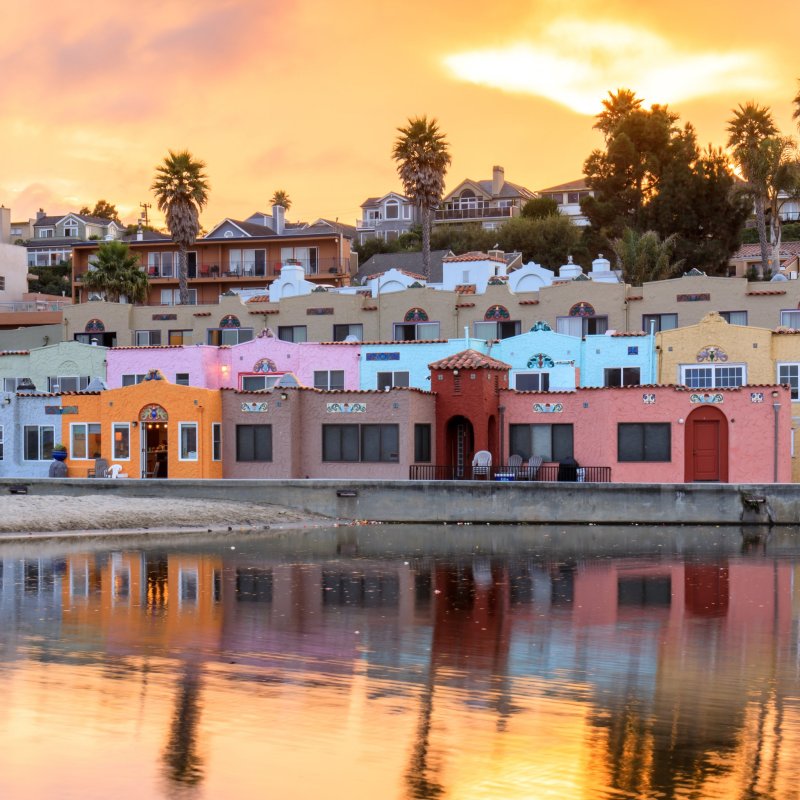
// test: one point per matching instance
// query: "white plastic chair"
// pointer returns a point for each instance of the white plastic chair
(114, 470)
(481, 464)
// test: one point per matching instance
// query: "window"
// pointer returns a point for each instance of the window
(2, 282)
(532, 381)
(573, 197)
(228, 336)
(392, 210)
(180, 337)
(84, 440)
(38, 444)
(182, 378)
(497, 330)
(71, 229)
(10, 384)
(790, 319)
(341, 332)
(734, 317)
(644, 441)
(307, 256)
(247, 262)
(254, 442)
(653, 590)
(188, 439)
(121, 437)
(1, 442)
(581, 326)
(172, 297)
(713, 377)
(621, 376)
(372, 443)
(662, 322)
(67, 383)
(388, 380)
(333, 379)
(45, 233)
(293, 333)
(147, 338)
(132, 380)
(789, 374)
(216, 441)
(257, 383)
(415, 331)
(422, 442)
(551, 442)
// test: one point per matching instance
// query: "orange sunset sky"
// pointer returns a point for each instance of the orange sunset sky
(306, 96)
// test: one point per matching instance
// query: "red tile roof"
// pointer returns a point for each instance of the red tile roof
(469, 359)
(15, 352)
(473, 256)
(763, 292)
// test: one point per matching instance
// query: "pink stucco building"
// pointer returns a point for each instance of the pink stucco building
(250, 365)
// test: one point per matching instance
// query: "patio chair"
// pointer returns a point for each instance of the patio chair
(532, 470)
(100, 468)
(515, 465)
(481, 464)
(114, 470)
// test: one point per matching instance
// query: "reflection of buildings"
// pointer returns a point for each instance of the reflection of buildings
(656, 676)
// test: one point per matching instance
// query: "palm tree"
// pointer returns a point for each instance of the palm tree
(750, 126)
(281, 198)
(181, 190)
(645, 257)
(422, 156)
(779, 171)
(117, 272)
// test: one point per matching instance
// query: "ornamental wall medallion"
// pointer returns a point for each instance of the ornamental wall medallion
(255, 408)
(265, 365)
(713, 354)
(229, 321)
(153, 413)
(496, 313)
(548, 408)
(756, 397)
(540, 361)
(541, 325)
(649, 398)
(415, 315)
(346, 408)
(706, 398)
(582, 309)
(95, 326)
(154, 375)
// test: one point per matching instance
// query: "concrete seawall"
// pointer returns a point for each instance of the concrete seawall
(471, 501)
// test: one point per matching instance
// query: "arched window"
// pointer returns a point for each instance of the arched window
(415, 315)
(153, 413)
(95, 326)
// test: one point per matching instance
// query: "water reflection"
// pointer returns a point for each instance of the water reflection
(408, 663)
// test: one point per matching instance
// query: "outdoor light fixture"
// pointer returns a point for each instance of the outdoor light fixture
(134, 424)
(284, 396)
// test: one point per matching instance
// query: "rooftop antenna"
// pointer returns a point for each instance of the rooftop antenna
(144, 207)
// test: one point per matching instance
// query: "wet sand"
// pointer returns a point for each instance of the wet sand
(34, 514)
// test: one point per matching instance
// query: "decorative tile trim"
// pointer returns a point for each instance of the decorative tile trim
(649, 398)
(756, 397)
(346, 408)
(319, 312)
(694, 298)
(383, 356)
(540, 361)
(548, 408)
(706, 398)
(61, 410)
(164, 317)
(255, 408)
(713, 353)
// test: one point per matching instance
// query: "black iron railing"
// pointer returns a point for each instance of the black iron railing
(546, 472)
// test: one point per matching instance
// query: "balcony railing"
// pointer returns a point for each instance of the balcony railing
(34, 305)
(311, 267)
(546, 472)
(462, 214)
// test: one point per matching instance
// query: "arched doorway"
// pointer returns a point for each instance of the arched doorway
(459, 445)
(154, 422)
(706, 445)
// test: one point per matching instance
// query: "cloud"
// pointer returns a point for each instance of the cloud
(575, 63)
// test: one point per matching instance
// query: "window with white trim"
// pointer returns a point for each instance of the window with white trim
(10, 384)
(216, 441)
(329, 379)
(343, 330)
(551, 442)
(734, 317)
(713, 376)
(532, 381)
(415, 331)
(390, 380)
(38, 442)
(621, 376)
(71, 229)
(132, 379)
(257, 383)
(67, 383)
(789, 374)
(187, 436)
(228, 336)
(172, 297)
(662, 322)
(581, 326)
(85, 440)
(182, 378)
(293, 333)
(147, 338)
(790, 319)
(497, 330)
(121, 441)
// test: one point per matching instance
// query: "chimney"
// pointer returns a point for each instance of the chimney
(498, 179)
(278, 218)
(5, 225)
(40, 214)
(139, 232)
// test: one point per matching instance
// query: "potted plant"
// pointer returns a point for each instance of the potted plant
(59, 451)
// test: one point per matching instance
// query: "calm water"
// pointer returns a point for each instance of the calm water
(403, 662)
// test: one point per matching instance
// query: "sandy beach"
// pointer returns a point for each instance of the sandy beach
(50, 513)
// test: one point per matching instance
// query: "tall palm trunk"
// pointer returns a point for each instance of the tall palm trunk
(761, 226)
(426, 241)
(183, 282)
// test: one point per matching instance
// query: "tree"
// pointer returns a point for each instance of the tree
(117, 272)
(281, 198)
(421, 153)
(645, 256)
(463, 238)
(53, 280)
(750, 125)
(779, 172)
(103, 209)
(547, 241)
(540, 207)
(181, 191)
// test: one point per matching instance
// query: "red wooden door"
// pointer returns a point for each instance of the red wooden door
(706, 450)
